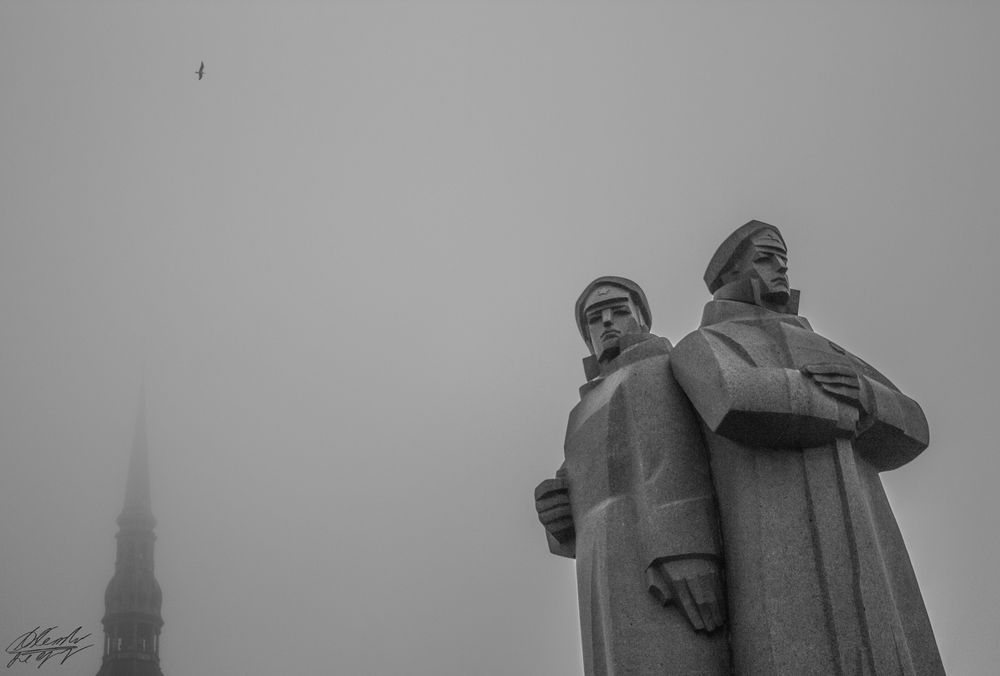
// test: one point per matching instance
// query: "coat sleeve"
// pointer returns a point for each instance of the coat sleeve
(676, 501)
(895, 430)
(758, 406)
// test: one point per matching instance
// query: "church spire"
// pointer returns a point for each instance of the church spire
(138, 505)
(133, 598)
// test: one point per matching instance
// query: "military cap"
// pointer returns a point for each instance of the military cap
(634, 291)
(733, 248)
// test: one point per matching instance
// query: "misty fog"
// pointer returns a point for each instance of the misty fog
(344, 263)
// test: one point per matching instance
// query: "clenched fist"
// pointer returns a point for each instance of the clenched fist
(553, 506)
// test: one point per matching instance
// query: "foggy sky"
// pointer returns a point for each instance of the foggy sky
(344, 265)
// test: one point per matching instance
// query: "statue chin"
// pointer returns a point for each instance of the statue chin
(776, 297)
(609, 352)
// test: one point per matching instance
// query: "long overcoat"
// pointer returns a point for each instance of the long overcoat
(640, 490)
(819, 580)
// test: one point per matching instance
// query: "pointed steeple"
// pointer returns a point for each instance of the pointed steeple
(138, 504)
(132, 600)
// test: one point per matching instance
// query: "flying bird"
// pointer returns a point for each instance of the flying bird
(201, 71)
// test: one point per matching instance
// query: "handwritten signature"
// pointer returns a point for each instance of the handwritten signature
(39, 644)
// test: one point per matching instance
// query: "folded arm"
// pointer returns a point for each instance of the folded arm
(892, 429)
(754, 405)
(895, 430)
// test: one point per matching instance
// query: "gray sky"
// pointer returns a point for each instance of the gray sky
(346, 260)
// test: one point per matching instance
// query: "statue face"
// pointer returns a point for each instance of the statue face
(608, 321)
(767, 259)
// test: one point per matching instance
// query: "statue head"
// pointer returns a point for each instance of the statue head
(755, 251)
(609, 309)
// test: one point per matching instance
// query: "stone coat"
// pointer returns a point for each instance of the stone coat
(819, 581)
(640, 490)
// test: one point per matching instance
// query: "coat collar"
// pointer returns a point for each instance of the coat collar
(741, 300)
(632, 349)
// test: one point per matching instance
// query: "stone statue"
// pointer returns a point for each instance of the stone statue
(798, 429)
(633, 502)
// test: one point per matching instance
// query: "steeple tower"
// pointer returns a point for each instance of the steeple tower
(132, 601)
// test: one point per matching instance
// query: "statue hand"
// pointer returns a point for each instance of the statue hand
(841, 382)
(694, 585)
(554, 510)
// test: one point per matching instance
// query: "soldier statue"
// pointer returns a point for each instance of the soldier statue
(633, 502)
(798, 429)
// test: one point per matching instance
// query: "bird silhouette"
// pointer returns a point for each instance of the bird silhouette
(201, 71)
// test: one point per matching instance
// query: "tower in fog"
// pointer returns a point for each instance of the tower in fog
(132, 601)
